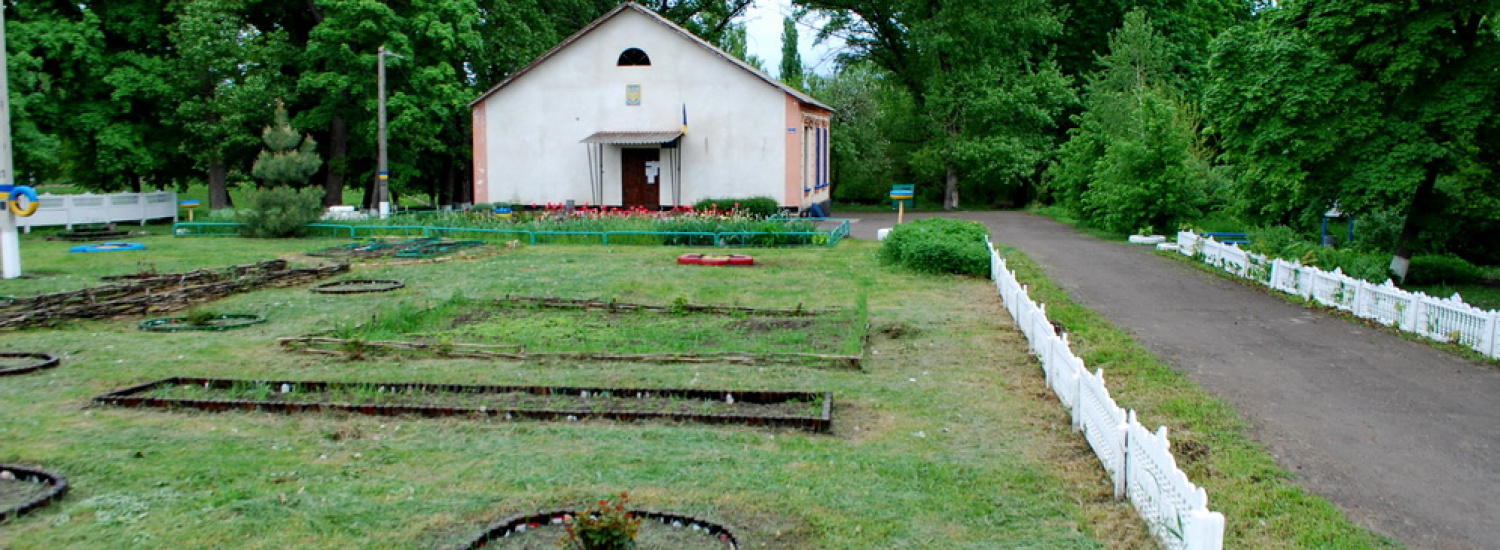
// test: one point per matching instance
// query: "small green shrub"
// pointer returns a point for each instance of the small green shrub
(1428, 270)
(937, 245)
(760, 207)
(280, 212)
(1273, 241)
(604, 526)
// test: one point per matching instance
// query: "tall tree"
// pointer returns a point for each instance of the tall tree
(106, 90)
(1133, 161)
(1368, 104)
(228, 73)
(791, 55)
(977, 77)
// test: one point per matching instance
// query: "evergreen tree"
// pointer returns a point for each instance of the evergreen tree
(289, 158)
(791, 58)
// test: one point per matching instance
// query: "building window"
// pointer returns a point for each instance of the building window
(634, 57)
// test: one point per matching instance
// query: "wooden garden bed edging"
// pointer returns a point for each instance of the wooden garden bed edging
(355, 349)
(58, 486)
(44, 361)
(131, 397)
(598, 305)
(164, 293)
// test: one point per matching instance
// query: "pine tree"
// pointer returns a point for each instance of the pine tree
(284, 161)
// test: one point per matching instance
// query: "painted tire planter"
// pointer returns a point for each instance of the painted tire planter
(218, 322)
(39, 361)
(716, 259)
(358, 286)
(56, 484)
(108, 247)
(1147, 239)
(519, 523)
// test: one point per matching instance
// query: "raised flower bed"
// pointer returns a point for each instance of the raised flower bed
(812, 411)
(26, 488)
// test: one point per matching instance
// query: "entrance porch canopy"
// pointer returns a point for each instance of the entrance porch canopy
(667, 139)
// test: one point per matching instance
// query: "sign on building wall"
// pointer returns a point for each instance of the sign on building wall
(632, 95)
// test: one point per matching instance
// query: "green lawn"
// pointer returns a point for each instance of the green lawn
(946, 438)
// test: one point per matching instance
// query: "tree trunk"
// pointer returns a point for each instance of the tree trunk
(449, 187)
(338, 146)
(950, 186)
(218, 186)
(1419, 201)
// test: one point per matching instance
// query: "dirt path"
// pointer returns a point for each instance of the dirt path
(1400, 436)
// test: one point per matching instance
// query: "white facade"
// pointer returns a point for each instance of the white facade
(745, 135)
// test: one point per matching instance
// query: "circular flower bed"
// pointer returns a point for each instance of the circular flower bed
(544, 529)
(24, 488)
(358, 286)
(217, 322)
(22, 362)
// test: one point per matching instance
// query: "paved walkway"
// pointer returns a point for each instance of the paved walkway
(1400, 436)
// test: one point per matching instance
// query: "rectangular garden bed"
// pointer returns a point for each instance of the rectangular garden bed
(812, 411)
(526, 327)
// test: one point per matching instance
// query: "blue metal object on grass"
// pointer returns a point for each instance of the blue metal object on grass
(108, 247)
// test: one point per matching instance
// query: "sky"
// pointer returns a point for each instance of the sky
(763, 29)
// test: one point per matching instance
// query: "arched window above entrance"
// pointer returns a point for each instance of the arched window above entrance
(634, 57)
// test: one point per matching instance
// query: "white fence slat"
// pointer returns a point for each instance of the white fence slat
(1140, 464)
(1494, 341)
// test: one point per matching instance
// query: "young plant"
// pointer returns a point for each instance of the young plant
(604, 526)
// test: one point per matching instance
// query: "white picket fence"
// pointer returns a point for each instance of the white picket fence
(1138, 461)
(1441, 319)
(67, 210)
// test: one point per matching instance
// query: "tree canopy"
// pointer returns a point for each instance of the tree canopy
(1370, 105)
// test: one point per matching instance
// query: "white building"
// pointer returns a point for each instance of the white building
(634, 110)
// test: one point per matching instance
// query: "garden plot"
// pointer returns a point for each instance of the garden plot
(23, 489)
(520, 328)
(663, 531)
(806, 410)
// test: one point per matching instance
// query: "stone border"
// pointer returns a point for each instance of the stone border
(505, 526)
(47, 361)
(335, 286)
(34, 475)
(129, 397)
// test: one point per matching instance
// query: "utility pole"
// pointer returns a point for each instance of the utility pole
(10, 240)
(382, 175)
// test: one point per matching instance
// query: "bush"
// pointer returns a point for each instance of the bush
(760, 207)
(937, 245)
(1452, 270)
(280, 212)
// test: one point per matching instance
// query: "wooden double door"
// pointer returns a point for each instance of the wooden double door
(636, 189)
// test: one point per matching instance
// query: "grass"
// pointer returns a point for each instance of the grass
(1264, 508)
(946, 439)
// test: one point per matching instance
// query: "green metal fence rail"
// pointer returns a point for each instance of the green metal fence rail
(762, 239)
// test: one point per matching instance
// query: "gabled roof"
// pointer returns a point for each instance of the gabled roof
(669, 25)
